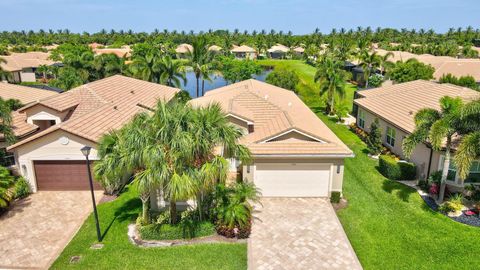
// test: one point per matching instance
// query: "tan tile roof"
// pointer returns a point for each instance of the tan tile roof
(103, 105)
(275, 111)
(215, 48)
(398, 103)
(25, 94)
(442, 64)
(279, 48)
(243, 48)
(18, 61)
(120, 52)
(299, 49)
(184, 48)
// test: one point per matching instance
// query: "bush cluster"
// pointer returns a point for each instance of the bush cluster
(395, 170)
(335, 197)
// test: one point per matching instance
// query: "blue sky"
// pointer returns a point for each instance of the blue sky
(300, 16)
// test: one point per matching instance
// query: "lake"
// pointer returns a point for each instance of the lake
(217, 81)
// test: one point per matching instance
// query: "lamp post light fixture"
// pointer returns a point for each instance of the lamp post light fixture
(86, 152)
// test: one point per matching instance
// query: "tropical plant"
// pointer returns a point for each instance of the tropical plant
(68, 78)
(172, 73)
(197, 58)
(172, 150)
(332, 79)
(410, 70)
(369, 63)
(6, 121)
(469, 147)
(107, 65)
(374, 139)
(436, 127)
(6, 180)
(465, 81)
(147, 67)
(283, 78)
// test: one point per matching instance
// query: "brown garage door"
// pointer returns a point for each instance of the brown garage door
(62, 175)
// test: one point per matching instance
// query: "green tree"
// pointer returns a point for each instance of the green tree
(68, 78)
(284, 78)
(172, 73)
(411, 70)
(436, 127)
(107, 65)
(369, 63)
(465, 81)
(374, 139)
(6, 181)
(147, 67)
(6, 121)
(197, 58)
(332, 79)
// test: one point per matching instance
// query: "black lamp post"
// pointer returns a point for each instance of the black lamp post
(86, 152)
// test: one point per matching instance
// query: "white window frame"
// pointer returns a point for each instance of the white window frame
(390, 138)
(361, 119)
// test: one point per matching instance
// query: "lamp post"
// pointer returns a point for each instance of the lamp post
(86, 152)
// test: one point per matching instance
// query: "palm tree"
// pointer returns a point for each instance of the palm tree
(6, 121)
(469, 147)
(385, 63)
(43, 69)
(369, 62)
(332, 79)
(171, 72)
(197, 57)
(4, 75)
(146, 67)
(436, 127)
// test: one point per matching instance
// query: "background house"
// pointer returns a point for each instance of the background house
(278, 51)
(23, 66)
(183, 49)
(244, 52)
(395, 107)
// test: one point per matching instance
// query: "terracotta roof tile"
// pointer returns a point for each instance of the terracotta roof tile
(25, 94)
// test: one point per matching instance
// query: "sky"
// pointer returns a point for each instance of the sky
(300, 16)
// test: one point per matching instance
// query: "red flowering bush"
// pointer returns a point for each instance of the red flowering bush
(433, 189)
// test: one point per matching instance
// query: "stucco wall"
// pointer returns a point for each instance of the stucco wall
(28, 76)
(420, 155)
(58, 145)
(40, 112)
(337, 176)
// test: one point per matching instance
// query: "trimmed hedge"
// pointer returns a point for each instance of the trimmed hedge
(173, 232)
(394, 170)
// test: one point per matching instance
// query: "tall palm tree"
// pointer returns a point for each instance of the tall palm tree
(385, 63)
(197, 57)
(332, 79)
(4, 75)
(369, 62)
(469, 148)
(172, 73)
(436, 127)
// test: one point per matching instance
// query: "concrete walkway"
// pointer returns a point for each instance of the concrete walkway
(299, 233)
(36, 230)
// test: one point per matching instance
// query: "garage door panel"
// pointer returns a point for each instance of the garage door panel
(62, 175)
(293, 180)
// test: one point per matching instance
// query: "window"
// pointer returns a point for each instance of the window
(391, 136)
(361, 119)
(473, 176)
(6, 159)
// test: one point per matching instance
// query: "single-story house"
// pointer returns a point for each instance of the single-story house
(395, 107)
(95, 45)
(183, 49)
(299, 51)
(278, 51)
(215, 49)
(23, 66)
(244, 52)
(26, 95)
(294, 153)
(120, 52)
(58, 126)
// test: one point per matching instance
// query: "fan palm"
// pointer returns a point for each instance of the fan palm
(332, 79)
(438, 128)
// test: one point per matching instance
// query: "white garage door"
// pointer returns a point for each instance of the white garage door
(293, 179)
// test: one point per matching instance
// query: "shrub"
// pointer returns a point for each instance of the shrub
(454, 204)
(435, 177)
(392, 169)
(6, 180)
(335, 197)
(375, 80)
(411, 70)
(283, 78)
(434, 188)
(374, 139)
(172, 232)
(22, 188)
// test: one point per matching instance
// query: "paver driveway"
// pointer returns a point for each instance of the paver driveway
(299, 233)
(37, 228)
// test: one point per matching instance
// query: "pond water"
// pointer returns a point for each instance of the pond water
(217, 81)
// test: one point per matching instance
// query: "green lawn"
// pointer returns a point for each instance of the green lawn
(119, 253)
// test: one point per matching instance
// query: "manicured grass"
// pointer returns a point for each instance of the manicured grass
(307, 88)
(119, 253)
(388, 224)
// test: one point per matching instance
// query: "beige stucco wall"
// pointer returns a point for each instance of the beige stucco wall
(420, 155)
(58, 145)
(39, 112)
(27, 76)
(337, 168)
